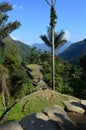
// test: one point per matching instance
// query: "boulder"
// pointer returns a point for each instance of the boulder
(37, 121)
(57, 114)
(74, 106)
(53, 118)
(13, 125)
(83, 103)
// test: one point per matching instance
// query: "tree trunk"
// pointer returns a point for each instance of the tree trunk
(53, 70)
(3, 84)
(3, 98)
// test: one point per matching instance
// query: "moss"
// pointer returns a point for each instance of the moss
(33, 66)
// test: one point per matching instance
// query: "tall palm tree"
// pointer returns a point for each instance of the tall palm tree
(5, 30)
(58, 41)
(53, 38)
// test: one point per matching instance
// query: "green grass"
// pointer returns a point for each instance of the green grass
(34, 103)
(2, 110)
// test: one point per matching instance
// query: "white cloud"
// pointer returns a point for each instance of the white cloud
(18, 7)
(14, 38)
(67, 34)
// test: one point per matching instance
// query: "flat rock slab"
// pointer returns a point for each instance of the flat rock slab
(13, 125)
(52, 118)
(57, 114)
(74, 106)
(37, 121)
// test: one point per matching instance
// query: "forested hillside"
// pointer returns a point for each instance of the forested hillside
(24, 49)
(70, 52)
(66, 75)
(74, 52)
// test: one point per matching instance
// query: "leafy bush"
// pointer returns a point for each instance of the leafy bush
(24, 90)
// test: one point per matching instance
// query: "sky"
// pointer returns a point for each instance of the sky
(34, 16)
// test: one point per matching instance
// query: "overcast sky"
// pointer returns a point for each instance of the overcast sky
(34, 15)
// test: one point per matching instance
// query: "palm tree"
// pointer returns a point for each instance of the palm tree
(5, 30)
(54, 39)
(58, 41)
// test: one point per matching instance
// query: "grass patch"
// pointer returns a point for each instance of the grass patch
(1, 106)
(34, 103)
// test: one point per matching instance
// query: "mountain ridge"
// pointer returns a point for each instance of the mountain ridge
(74, 52)
(43, 47)
(70, 52)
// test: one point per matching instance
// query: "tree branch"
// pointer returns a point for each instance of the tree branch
(48, 3)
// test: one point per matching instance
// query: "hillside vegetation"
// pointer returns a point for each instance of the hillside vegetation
(73, 53)
(69, 80)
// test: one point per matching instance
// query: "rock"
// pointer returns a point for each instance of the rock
(13, 125)
(57, 114)
(83, 103)
(42, 84)
(36, 76)
(74, 106)
(37, 121)
(53, 118)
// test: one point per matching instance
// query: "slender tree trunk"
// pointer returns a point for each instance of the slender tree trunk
(3, 84)
(3, 98)
(53, 66)
(52, 34)
(52, 24)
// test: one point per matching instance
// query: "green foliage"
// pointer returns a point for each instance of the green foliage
(5, 6)
(26, 88)
(74, 53)
(82, 62)
(78, 79)
(53, 17)
(18, 79)
(12, 57)
(62, 70)
(24, 49)
(33, 57)
(2, 49)
(6, 28)
(58, 38)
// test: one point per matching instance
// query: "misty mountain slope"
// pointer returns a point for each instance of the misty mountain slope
(43, 47)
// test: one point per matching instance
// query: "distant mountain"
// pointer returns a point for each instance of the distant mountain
(70, 52)
(43, 47)
(74, 52)
(63, 47)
